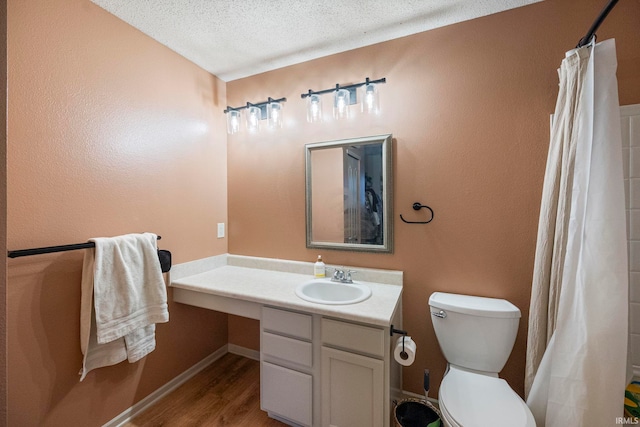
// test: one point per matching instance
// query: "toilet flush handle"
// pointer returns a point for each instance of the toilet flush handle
(441, 314)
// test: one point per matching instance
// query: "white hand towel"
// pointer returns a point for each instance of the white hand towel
(95, 355)
(122, 277)
(140, 342)
(129, 291)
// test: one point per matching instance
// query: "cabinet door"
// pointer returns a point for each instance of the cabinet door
(352, 390)
(286, 393)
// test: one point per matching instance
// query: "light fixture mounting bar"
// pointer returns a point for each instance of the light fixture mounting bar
(353, 86)
(257, 104)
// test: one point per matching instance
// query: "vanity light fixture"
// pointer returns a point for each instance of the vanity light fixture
(343, 96)
(341, 102)
(233, 121)
(314, 108)
(270, 109)
(254, 114)
(274, 114)
(370, 101)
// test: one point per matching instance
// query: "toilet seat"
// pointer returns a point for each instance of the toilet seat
(469, 399)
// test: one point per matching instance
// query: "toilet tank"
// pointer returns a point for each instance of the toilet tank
(474, 332)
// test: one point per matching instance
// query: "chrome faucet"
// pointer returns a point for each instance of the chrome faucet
(341, 275)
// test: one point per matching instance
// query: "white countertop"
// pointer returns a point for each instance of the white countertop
(277, 288)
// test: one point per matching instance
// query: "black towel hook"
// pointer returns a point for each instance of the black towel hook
(417, 206)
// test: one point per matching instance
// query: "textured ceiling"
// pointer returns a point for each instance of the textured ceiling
(238, 38)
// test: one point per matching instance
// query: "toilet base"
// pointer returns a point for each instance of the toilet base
(470, 399)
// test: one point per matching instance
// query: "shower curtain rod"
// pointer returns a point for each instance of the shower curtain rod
(594, 27)
(51, 249)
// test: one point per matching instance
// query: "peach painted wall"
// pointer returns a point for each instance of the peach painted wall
(109, 133)
(468, 106)
(244, 332)
(3, 214)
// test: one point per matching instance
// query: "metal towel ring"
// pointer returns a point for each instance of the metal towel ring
(417, 206)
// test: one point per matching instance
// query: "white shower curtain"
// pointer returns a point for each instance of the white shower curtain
(579, 305)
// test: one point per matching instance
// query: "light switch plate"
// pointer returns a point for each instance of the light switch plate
(220, 230)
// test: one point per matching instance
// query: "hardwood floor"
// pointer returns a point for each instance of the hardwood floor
(226, 393)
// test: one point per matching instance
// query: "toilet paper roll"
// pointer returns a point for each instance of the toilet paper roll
(408, 356)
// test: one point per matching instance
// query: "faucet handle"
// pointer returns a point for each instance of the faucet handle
(338, 274)
(347, 275)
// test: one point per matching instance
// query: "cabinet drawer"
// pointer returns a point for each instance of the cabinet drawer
(287, 393)
(286, 322)
(363, 339)
(288, 349)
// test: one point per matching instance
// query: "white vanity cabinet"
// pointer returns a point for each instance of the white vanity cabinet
(286, 365)
(352, 379)
(320, 371)
(320, 364)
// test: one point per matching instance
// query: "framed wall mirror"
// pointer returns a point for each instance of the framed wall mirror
(349, 194)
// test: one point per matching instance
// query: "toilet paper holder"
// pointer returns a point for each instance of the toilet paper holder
(397, 331)
(393, 330)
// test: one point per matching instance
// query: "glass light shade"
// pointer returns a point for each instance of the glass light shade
(253, 118)
(341, 101)
(274, 114)
(314, 108)
(233, 121)
(370, 100)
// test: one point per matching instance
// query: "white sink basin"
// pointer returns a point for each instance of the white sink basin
(324, 291)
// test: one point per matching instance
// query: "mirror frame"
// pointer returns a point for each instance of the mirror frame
(387, 197)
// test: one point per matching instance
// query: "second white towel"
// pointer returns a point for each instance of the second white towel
(123, 297)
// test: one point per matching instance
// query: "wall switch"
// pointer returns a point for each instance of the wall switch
(220, 230)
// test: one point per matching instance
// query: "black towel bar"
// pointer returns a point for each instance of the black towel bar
(51, 249)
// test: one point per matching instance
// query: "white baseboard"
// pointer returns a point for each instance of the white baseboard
(154, 397)
(243, 351)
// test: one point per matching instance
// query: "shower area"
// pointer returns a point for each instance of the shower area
(588, 219)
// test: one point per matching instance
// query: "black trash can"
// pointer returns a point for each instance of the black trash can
(416, 413)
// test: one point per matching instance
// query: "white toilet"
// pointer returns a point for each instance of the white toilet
(476, 336)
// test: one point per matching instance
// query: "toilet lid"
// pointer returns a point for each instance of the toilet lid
(472, 399)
